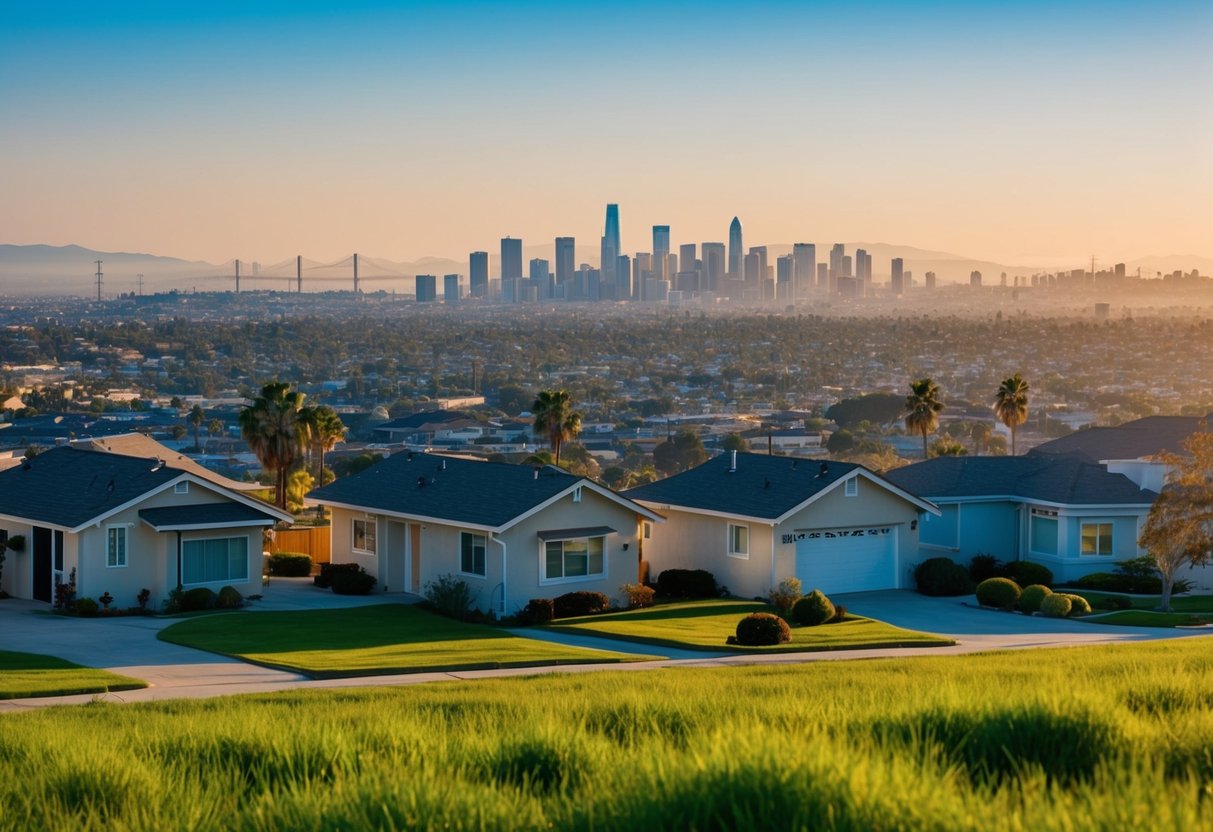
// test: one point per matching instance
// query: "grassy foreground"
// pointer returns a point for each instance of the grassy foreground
(704, 625)
(1108, 738)
(358, 641)
(30, 674)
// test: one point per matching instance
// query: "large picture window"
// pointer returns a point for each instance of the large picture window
(472, 553)
(1096, 539)
(364, 536)
(739, 541)
(115, 546)
(579, 558)
(215, 560)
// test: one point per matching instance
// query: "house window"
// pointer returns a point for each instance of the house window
(852, 487)
(217, 560)
(471, 553)
(364, 536)
(648, 531)
(115, 546)
(577, 494)
(739, 541)
(1096, 539)
(1044, 534)
(182, 487)
(579, 558)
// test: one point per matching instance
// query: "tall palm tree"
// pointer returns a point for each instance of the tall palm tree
(214, 428)
(922, 409)
(324, 430)
(274, 432)
(555, 417)
(1011, 404)
(196, 417)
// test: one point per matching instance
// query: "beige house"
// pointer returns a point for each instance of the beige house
(511, 532)
(753, 520)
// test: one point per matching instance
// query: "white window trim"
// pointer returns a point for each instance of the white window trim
(851, 489)
(544, 580)
(478, 577)
(577, 494)
(1111, 539)
(248, 567)
(373, 521)
(728, 543)
(126, 546)
(182, 487)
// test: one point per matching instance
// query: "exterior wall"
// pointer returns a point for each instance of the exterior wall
(342, 543)
(18, 577)
(1069, 564)
(1143, 472)
(971, 528)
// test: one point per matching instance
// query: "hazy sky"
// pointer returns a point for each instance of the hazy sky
(1031, 132)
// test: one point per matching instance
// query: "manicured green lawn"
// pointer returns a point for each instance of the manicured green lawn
(388, 638)
(31, 674)
(1147, 618)
(704, 625)
(1179, 603)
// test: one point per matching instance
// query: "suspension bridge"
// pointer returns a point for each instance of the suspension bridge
(292, 275)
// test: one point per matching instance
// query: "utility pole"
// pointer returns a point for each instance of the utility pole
(98, 281)
(299, 272)
(237, 277)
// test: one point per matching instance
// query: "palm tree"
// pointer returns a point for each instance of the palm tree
(324, 430)
(555, 417)
(921, 410)
(274, 432)
(1011, 404)
(196, 417)
(214, 428)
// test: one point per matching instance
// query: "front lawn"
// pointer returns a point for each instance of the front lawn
(31, 674)
(1179, 603)
(363, 641)
(704, 625)
(1148, 618)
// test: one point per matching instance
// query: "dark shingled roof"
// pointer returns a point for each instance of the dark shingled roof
(1068, 479)
(763, 486)
(204, 514)
(467, 491)
(432, 418)
(69, 487)
(1132, 440)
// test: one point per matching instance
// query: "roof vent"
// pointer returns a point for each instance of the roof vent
(536, 472)
(733, 463)
(421, 482)
(825, 469)
(157, 464)
(442, 465)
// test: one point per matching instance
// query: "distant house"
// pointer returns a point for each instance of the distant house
(753, 520)
(512, 532)
(420, 428)
(123, 523)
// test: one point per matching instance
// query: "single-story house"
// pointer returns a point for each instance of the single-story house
(120, 524)
(753, 520)
(512, 532)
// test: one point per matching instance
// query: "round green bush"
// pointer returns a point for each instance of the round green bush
(229, 599)
(1056, 605)
(998, 592)
(352, 583)
(813, 609)
(290, 564)
(762, 629)
(86, 607)
(200, 598)
(1079, 605)
(1025, 572)
(1030, 598)
(942, 577)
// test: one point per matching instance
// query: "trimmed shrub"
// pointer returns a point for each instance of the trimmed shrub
(324, 579)
(785, 596)
(290, 564)
(1030, 598)
(198, 599)
(449, 596)
(687, 583)
(1078, 605)
(1026, 573)
(537, 611)
(1056, 605)
(840, 614)
(1002, 593)
(762, 629)
(86, 607)
(942, 577)
(352, 583)
(984, 566)
(229, 599)
(584, 602)
(639, 595)
(813, 609)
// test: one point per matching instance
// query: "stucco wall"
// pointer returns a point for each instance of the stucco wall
(18, 576)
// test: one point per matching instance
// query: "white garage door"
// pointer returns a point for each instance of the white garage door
(847, 560)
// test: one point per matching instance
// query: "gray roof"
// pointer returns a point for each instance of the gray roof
(763, 486)
(490, 494)
(1067, 479)
(167, 518)
(69, 487)
(427, 419)
(1132, 440)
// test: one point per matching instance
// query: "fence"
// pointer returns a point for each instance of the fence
(310, 540)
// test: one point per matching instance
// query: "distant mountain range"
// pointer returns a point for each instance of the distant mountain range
(69, 270)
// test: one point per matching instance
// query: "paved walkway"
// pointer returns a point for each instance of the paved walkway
(129, 645)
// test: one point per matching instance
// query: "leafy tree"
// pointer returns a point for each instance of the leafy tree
(355, 464)
(512, 399)
(1178, 531)
(214, 428)
(195, 418)
(298, 484)
(880, 408)
(178, 431)
(555, 418)
(948, 447)
(274, 432)
(734, 442)
(678, 453)
(922, 408)
(840, 441)
(1011, 404)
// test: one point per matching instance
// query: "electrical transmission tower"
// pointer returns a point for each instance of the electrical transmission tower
(98, 281)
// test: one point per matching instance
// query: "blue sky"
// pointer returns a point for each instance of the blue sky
(1037, 131)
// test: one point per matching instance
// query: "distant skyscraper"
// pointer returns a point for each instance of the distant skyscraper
(450, 288)
(427, 288)
(845, 269)
(897, 282)
(756, 270)
(785, 277)
(863, 270)
(686, 257)
(836, 255)
(930, 280)
(736, 251)
(511, 260)
(642, 270)
(566, 261)
(804, 268)
(611, 231)
(541, 279)
(623, 277)
(975, 279)
(478, 274)
(713, 266)
(823, 277)
(661, 251)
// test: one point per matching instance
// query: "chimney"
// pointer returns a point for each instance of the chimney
(733, 463)
(536, 473)
(443, 468)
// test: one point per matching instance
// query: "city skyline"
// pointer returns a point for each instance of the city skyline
(1033, 135)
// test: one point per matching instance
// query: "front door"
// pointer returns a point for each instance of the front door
(43, 555)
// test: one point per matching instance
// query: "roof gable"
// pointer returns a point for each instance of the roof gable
(139, 445)
(1133, 440)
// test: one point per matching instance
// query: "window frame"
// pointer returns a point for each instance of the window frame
(368, 521)
(248, 571)
(485, 548)
(565, 578)
(1099, 538)
(731, 550)
(109, 540)
(182, 487)
(851, 488)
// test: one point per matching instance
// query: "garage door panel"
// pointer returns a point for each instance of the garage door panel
(846, 560)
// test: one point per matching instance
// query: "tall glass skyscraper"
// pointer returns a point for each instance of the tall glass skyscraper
(661, 252)
(736, 250)
(611, 232)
